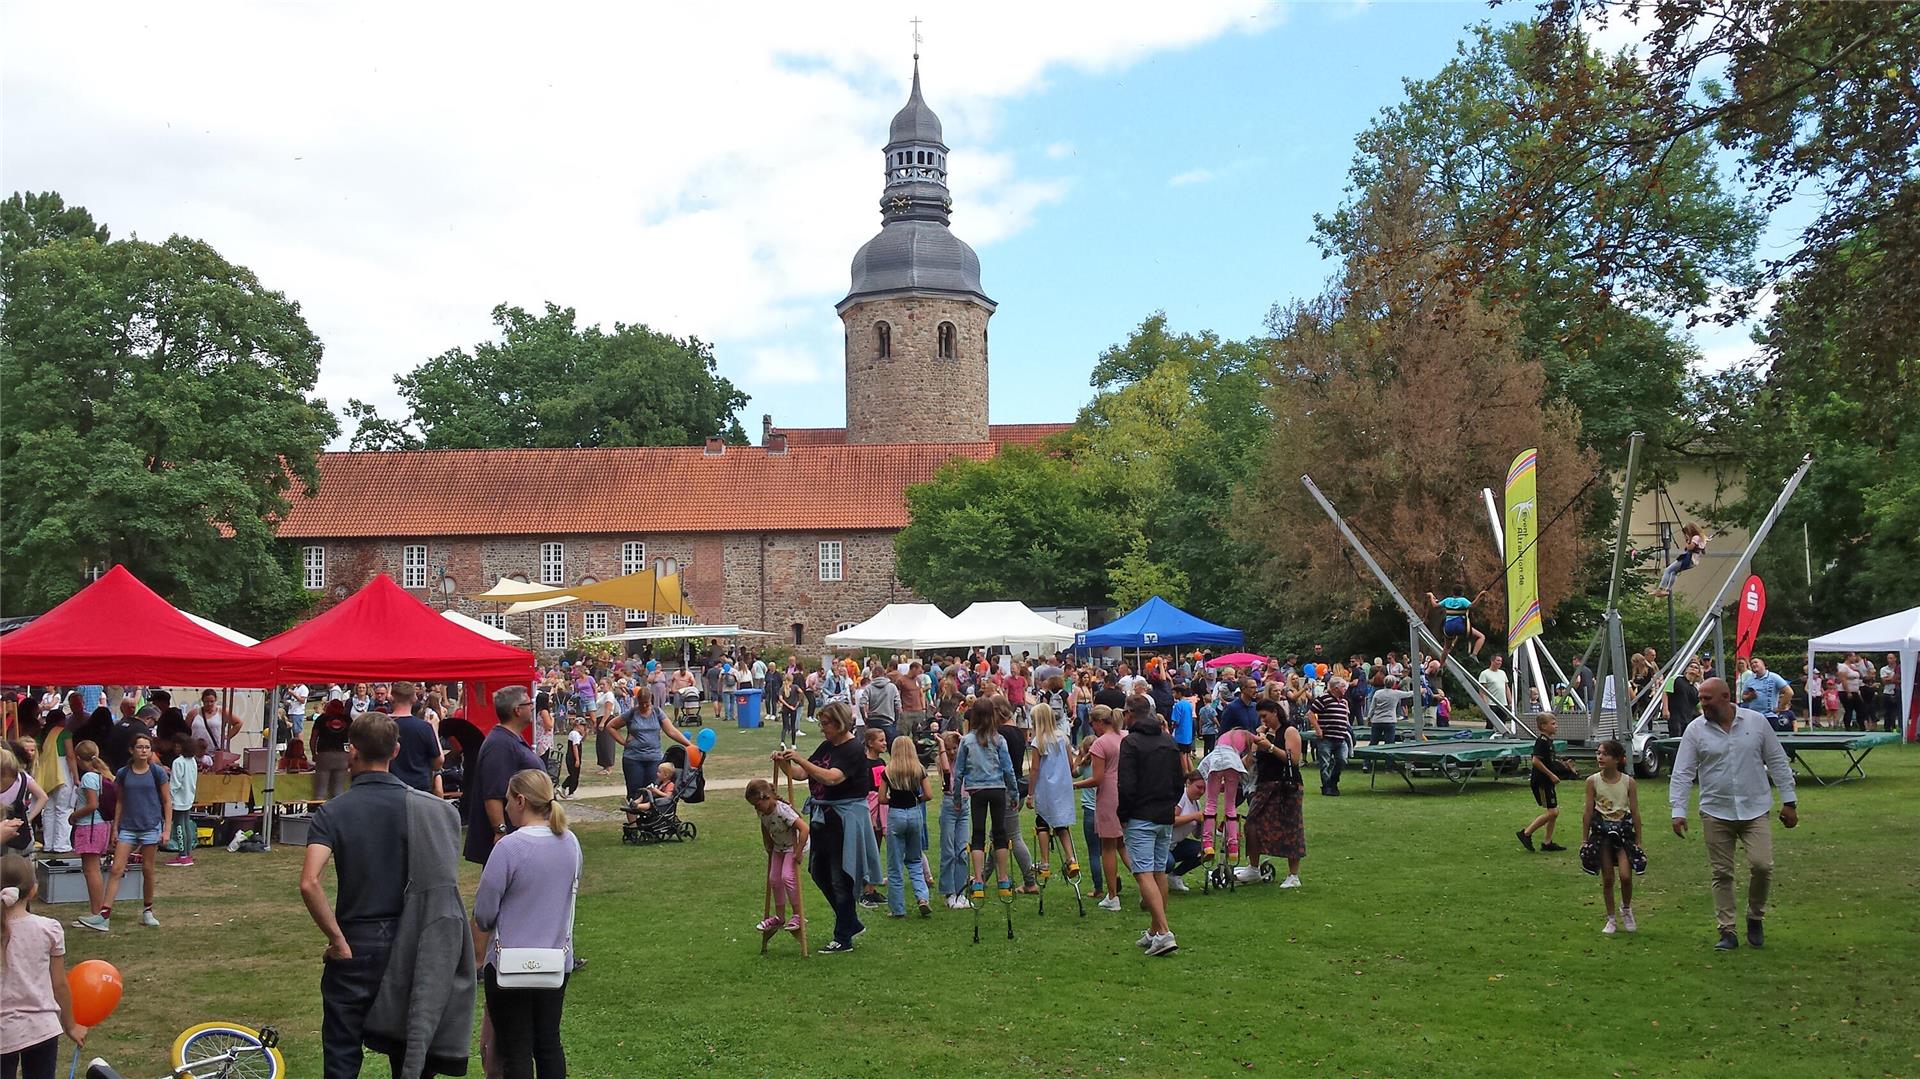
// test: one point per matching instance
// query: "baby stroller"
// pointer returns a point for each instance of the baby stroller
(686, 707)
(658, 823)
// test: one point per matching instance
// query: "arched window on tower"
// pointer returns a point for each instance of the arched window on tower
(882, 341)
(949, 341)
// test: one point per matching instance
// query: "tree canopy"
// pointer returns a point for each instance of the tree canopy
(547, 382)
(158, 415)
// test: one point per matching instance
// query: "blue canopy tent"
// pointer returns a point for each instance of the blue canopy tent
(1154, 624)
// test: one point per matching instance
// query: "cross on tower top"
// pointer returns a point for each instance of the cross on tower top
(916, 41)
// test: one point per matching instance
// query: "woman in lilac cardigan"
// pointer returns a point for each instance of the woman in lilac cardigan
(526, 901)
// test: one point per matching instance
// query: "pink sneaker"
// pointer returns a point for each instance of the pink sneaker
(768, 925)
(793, 924)
(182, 860)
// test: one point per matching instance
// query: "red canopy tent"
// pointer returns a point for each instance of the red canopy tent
(117, 630)
(381, 633)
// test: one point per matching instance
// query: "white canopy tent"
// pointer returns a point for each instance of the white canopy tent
(1897, 633)
(477, 626)
(898, 625)
(228, 632)
(999, 624)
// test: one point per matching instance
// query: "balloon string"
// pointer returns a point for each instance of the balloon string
(74, 1068)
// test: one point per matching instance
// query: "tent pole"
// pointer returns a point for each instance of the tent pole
(273, 755)
(1418, 680)
(1421, 632)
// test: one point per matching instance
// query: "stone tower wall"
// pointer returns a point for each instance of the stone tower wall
(914, 395)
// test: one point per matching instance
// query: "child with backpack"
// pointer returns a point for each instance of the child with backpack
(144, 814)
(92, 834)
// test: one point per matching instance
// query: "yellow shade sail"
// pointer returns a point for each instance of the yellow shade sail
(641, 591)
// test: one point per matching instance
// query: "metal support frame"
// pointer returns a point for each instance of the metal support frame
(1500, 716)
(1610, 667)
(1710, 621)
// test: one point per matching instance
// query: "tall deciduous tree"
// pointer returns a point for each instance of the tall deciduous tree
(1021, 525)
(1584, 292)
(157, 416)
(1403, 395)
(548, 382)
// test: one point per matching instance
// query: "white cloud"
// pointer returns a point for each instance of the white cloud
(1191, 176)
(399, 170)
(1060, 151)
(784, 365)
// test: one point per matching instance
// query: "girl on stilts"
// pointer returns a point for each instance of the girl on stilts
(1052, 778)
(1611, 824)
(783, 831)
(986, 770)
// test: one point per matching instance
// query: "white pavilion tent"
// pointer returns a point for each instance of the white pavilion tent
(898, 625)
(1897, 633)
(1000, 624)
(484, 630)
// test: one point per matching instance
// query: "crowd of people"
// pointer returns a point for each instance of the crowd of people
(1179, 765)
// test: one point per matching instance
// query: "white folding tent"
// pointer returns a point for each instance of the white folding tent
(999, 624)
(228, 632)
(484, 630)
(1897, 633)
(898, 625)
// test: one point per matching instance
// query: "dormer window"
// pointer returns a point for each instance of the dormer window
(882, 341)
(949, 341)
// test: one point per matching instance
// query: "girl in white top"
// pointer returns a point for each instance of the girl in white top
(1611, 823)
(35, 1008)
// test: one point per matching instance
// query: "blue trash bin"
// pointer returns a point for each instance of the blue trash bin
(746, 703)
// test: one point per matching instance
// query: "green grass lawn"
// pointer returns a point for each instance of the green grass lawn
(1426, 942)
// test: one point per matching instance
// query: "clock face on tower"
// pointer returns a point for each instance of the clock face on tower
(901, 204)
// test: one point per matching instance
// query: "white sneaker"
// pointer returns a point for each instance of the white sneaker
(1626, 920)
(147, 918)
(1292, 881)
(1146, 939)
(1111, 902)
(1176, 884)
(1164, 944)
(1246, 874)
(1609, 927)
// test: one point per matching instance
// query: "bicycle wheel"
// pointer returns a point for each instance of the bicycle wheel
(206, 1041)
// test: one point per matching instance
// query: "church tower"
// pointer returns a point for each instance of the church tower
(915, 317)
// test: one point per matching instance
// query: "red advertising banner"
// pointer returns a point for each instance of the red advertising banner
(1746, 626)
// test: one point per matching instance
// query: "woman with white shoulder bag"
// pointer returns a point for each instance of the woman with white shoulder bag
(523, 929)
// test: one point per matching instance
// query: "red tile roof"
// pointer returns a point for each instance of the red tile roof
(649, 489)
(1000, 434)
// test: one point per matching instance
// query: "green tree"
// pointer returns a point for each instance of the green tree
(550, 383)
(169, 419)
(1176, 422)
(1020, 525)
(1585, 292)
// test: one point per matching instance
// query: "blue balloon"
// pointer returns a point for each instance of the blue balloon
(705, 739)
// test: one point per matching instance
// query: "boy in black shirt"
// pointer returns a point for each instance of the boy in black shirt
(1547, 771)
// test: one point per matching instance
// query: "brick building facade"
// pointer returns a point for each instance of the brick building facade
(794, 536)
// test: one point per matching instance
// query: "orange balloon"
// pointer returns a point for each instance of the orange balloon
(95, 987)
(694, 756)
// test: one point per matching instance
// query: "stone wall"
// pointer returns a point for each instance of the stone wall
(913, 395)
(722, 575)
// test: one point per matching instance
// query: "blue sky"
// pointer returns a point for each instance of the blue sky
(711, 171)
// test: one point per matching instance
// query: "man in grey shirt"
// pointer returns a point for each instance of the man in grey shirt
(1383, 708)
(882, 701)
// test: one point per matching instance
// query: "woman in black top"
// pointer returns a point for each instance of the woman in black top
(1274, 822)
(908, 790)
(836, 771)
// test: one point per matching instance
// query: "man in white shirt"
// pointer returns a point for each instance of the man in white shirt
(1732, 752)
(1494, 681)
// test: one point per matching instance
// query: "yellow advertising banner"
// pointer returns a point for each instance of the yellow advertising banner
(1523, 528)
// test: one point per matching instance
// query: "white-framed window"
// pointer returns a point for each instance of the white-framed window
(637, 617)
(553, 563)
(313, 568)
(497, 621)
(554, 635)
(413, 566)
(633, 557)
(593, 623)
(844, 626)
(830, 562)
(679, 620)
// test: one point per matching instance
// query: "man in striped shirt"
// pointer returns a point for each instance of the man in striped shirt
(1333, 726)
